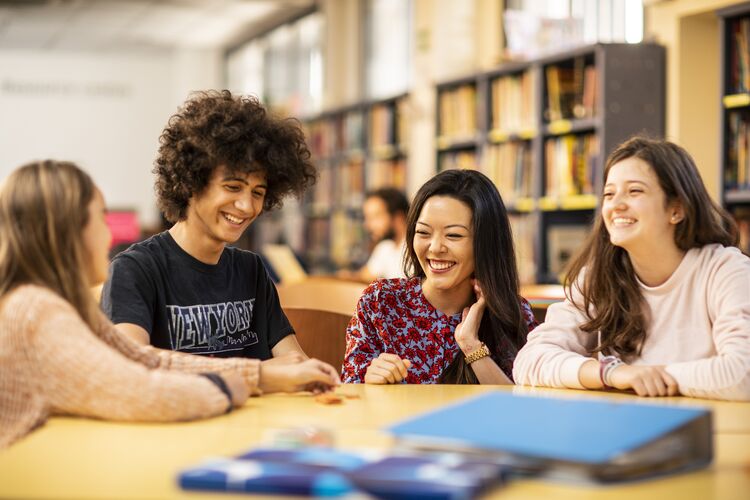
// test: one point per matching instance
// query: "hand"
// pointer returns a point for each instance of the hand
(467, 332)
(309, 375)
(237, 387)
(644, 380)
(387, 369)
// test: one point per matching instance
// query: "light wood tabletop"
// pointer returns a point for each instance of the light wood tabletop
(84, 459)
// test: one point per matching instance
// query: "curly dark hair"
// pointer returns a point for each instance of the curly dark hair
(215, 128)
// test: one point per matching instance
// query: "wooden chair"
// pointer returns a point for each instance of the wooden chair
(321, 334)
(319, 309)
(326, 294)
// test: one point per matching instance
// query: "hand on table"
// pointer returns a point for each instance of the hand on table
(387, 369)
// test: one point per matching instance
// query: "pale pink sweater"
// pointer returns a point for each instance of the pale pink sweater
(699, 329)
(51, 362)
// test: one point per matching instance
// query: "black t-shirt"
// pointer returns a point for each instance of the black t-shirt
(228, 309)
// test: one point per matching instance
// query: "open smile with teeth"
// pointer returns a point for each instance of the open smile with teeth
(623, 221)
(441, 265)
(233, 219)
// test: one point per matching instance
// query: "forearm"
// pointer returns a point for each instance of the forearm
(719, 377)
(189, 363)
(488, 373)
(588, 375)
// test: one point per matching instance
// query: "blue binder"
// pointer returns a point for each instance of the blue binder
(603, 440)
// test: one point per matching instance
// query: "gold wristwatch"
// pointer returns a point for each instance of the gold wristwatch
(478, 354)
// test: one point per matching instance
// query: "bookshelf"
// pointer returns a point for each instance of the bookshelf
(735, 117)
(542, 130)
(356, 149)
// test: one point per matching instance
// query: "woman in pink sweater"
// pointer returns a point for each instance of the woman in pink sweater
(659, 292)
(60, 355)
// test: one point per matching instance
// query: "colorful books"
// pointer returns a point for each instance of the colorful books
(328, 472)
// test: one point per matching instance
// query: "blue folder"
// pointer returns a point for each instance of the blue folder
(603, 440)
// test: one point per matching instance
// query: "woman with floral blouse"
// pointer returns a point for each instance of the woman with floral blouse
(458, 317)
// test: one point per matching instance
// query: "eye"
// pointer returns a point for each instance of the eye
(608, 194)
(455, 236)
(234, 188)
(635, 190)
(422, 232)
(259, 194)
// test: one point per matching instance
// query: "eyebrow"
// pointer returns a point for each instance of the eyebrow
(627, 182)
(446, 227)
(230, 178)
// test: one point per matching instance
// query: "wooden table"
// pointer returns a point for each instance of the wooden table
(82, 459)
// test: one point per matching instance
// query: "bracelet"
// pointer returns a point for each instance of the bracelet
(478, 354)
(219, 382)
(607, 365)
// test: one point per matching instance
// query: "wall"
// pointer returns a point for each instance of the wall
(103, 111)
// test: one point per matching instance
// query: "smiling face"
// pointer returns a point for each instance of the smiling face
(635, 209)
(96, 240)
(444, 244)
(228, 205)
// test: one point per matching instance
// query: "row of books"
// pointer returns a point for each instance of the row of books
(341, 133)
(388, 125)
(739, 56)
(737, 169)
(387, 173)
(458, 159)
(458, 112)
(345, 183)
(571, 91)
(570, 165)
(513, 103)
(524, 229)
(509, 167)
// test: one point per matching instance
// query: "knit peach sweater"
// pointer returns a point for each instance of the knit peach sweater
(52, 363)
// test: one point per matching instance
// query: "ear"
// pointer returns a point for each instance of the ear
(678, 213)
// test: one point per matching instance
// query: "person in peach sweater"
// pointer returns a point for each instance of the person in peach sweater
(659, 292)
(59, 354)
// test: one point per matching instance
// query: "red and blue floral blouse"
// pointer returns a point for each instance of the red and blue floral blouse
(394, 316)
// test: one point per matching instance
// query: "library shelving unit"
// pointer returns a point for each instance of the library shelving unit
(735, 117)
(542, 131)
(356, 149)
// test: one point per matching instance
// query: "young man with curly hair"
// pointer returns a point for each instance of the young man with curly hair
(222, 160)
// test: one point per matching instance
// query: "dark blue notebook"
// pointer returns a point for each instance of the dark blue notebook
(599, 439)
(328, 472)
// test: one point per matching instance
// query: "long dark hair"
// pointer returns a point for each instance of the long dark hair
(603, 273)
(494, 261)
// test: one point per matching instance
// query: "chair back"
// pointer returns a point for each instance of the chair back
(326, 294)
(321, 334)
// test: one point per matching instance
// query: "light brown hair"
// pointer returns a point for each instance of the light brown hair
(43, 212)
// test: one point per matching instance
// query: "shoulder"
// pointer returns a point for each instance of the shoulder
(32, 301)
(395, 287)
(718, 260)
(144, 252)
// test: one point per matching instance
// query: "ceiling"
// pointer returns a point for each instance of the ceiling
(131, 24)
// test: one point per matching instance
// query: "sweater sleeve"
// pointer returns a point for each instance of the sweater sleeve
(555, 350)
(79, 374)
(154, 357)
(727, 374)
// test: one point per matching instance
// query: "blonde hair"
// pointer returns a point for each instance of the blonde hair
(43, 211)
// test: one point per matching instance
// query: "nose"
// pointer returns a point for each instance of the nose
(618, 201)
(436, 244)
(245, 205)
